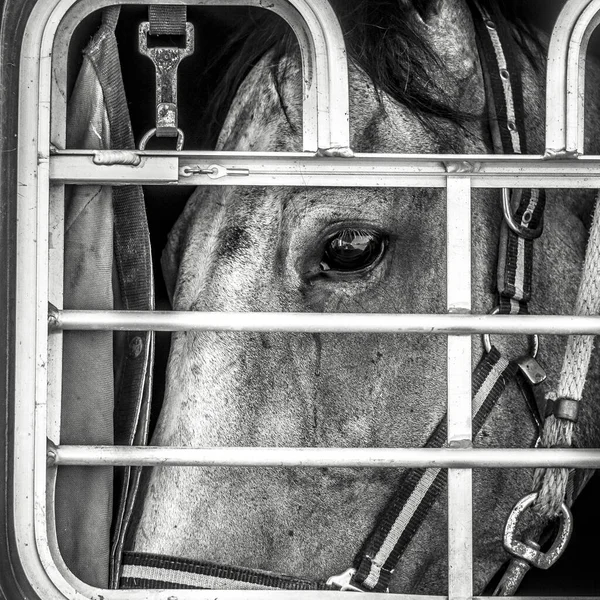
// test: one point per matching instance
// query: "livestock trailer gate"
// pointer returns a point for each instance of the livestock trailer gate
(44, 164)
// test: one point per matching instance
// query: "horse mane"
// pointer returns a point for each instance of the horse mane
(383, 39)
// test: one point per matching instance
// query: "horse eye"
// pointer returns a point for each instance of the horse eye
(352, 250)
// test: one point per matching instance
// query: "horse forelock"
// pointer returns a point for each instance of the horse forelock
(387, 39)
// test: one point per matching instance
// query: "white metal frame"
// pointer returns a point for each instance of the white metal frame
(39, 271)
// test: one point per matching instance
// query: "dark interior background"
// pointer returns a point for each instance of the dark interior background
(577, 572)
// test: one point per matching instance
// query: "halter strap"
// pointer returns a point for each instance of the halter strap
(150, 571)
(420, 488)
(506, 117)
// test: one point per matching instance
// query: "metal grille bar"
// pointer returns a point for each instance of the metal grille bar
(566, 77)
(447, 458)
(458, 294)
(450, 324)
(302, 169)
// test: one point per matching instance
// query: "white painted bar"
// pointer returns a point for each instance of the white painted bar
(458, 286)
(305, 169)
(56, 252)
(458, 248)
(82, 170)
(576, 68)
(452, 324)
(450, 458)
(565, 76)
(556, 80)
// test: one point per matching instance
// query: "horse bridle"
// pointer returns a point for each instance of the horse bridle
(419, 488)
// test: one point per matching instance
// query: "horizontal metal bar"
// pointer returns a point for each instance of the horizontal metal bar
(451, 458)
(303, 169)
(443, 324)
(83, 169)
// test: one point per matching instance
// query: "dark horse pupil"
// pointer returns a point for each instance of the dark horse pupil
(351, 250)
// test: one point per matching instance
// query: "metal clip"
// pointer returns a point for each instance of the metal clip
(53, 317)
(527, 554)
(514, 574)
(50, 453)
(531, 369)
(535, 339)
(166, 62)
(519, 549)
(524, 232)
(343, 581)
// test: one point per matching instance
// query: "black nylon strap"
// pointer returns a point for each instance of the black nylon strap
(131, 236)
(509, 137)
(489, 378)
(151, 571)
(133, 261)
(167, 19)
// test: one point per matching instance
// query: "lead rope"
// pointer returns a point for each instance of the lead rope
(553, 487)
(563, 404)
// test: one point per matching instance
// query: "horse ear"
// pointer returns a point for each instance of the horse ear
(451, 34)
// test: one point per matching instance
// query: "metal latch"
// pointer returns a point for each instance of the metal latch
(214, 171)
(166, 62)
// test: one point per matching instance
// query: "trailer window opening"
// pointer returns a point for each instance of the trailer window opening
(78, 309)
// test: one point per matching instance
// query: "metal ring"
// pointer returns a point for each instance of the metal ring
(152, 132)
(487, 338)
(524, 232)
(541, 560)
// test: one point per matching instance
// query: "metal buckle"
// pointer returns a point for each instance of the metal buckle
(524, 232)
(343, 581)
(166, 62)
(534, 556)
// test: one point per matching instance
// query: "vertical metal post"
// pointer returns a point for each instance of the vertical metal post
(56, 247)
(460, 491)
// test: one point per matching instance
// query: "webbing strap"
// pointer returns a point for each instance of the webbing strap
(419, 488)
(167, 19)
(132, 254)
(508, 135)
(151, 571)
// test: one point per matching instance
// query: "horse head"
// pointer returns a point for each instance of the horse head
(416, 86)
